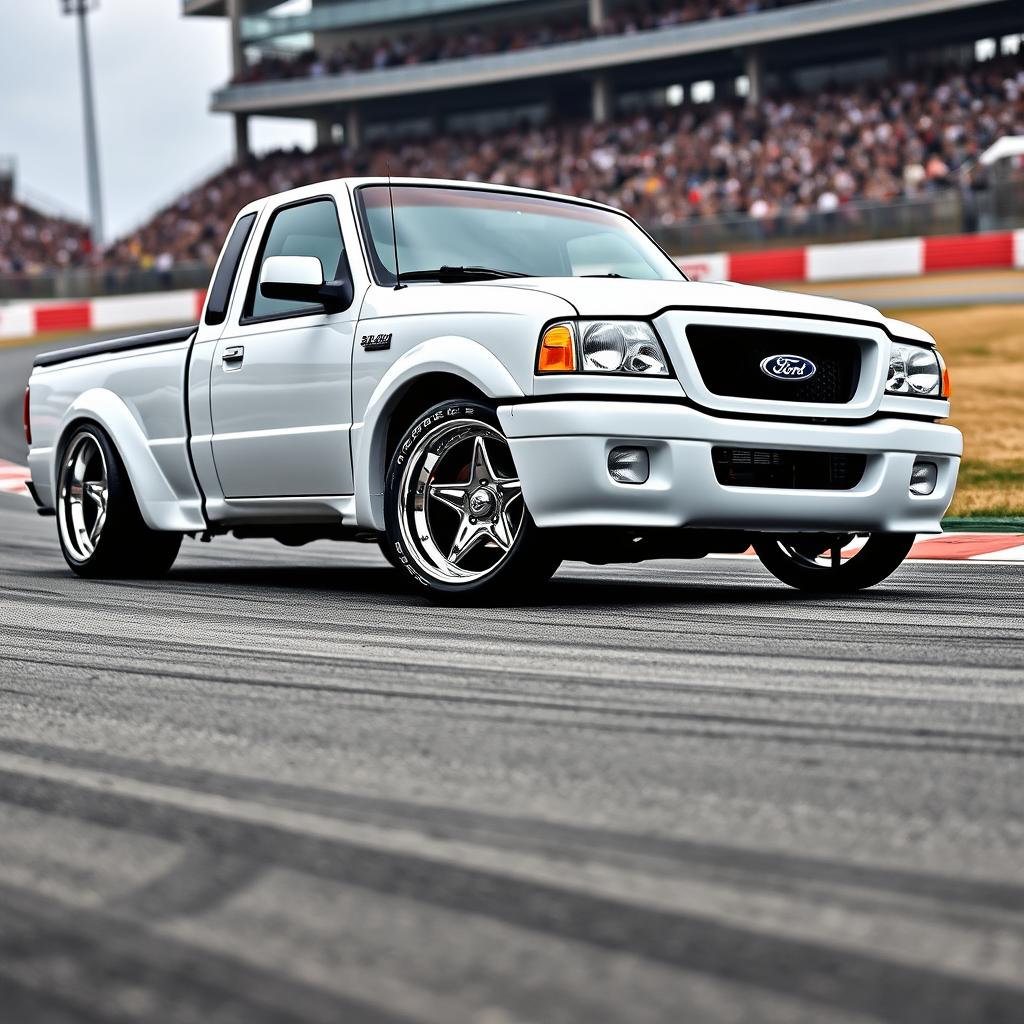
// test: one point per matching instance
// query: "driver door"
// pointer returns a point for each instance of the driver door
(280, 383)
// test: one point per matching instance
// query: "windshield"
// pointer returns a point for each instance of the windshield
(500, 231)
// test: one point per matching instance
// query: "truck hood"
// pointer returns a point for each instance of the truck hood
(613, 297)
(619, 298)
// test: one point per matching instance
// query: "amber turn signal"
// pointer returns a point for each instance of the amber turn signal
(557, 351)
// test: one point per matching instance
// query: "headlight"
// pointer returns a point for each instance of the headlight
(603, 346)
(914, 370)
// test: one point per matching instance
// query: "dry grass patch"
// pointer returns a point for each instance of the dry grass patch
(984, 349)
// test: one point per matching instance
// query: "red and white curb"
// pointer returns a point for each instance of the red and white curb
(12, 478)
(848, 261)
(955, 547)
(952, 547)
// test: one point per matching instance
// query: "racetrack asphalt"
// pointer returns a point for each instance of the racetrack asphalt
(280, 786)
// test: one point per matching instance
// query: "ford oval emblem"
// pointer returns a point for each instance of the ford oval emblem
(788, 368)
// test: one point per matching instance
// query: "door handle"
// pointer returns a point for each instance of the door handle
(233, 355)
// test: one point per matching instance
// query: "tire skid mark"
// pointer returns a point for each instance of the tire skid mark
(675, 856)
(691, 658)
(754, 627)
(88, 959)
(826, 975)
(200, 881)
(23, 1002)
(637, 721)
(361, 666)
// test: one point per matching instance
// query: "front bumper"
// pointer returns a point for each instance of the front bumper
(561, 452)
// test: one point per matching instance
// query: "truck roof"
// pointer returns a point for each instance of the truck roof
(352, 183)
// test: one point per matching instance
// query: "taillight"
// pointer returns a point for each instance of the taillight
(28, 421)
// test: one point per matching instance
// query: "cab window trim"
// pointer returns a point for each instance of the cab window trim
(246, 320)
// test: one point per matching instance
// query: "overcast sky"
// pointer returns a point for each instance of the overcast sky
(153, 70)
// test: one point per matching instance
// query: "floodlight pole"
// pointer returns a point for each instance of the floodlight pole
(81, 9)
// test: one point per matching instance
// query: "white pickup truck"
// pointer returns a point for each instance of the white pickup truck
(488, 381)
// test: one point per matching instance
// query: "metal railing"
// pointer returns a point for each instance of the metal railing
(84, 283)
(949, 212)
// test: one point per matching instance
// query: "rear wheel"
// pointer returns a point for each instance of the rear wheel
(101, 530)
(833, 563)
(454, 509)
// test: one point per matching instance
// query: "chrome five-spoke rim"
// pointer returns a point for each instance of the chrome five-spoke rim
(824, 553)
(83, 496)
(460, 502)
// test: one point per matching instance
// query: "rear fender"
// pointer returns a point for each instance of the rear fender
(158, 469)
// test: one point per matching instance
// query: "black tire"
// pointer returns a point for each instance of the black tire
(524, 557)
(389, 552)
(791, 559)
(123, 546)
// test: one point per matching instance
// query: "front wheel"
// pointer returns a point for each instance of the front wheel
(101, 530)
(823, 563)
(454, 509)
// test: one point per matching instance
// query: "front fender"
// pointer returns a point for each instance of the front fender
(158, 469)
(456, 356)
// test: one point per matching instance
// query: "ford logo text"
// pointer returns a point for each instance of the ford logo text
(788, 368)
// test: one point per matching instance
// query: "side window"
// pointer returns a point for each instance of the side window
(308, 230)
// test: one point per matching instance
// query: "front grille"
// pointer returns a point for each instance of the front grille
(729, 361)
(805, 471)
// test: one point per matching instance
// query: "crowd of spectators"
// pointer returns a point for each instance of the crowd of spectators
(782, 161)
(32, 242)
(426, 47)
(785, 159)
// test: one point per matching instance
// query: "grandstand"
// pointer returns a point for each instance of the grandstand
(367, 70)
(35, 242)
(720, 124)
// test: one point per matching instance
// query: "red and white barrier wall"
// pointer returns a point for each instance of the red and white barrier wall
(846, 261)
(850, 261)
(26, 319)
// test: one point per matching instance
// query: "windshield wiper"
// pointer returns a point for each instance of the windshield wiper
(609, 274)
(445, 274)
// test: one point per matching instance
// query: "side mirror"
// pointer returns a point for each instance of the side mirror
(301, 279)
(295, 278)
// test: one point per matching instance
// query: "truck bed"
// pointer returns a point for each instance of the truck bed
(95, 348)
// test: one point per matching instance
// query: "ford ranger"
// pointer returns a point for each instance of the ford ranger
(487, 381)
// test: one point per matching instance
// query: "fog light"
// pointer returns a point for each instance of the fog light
(629, 465)
(923, 477)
